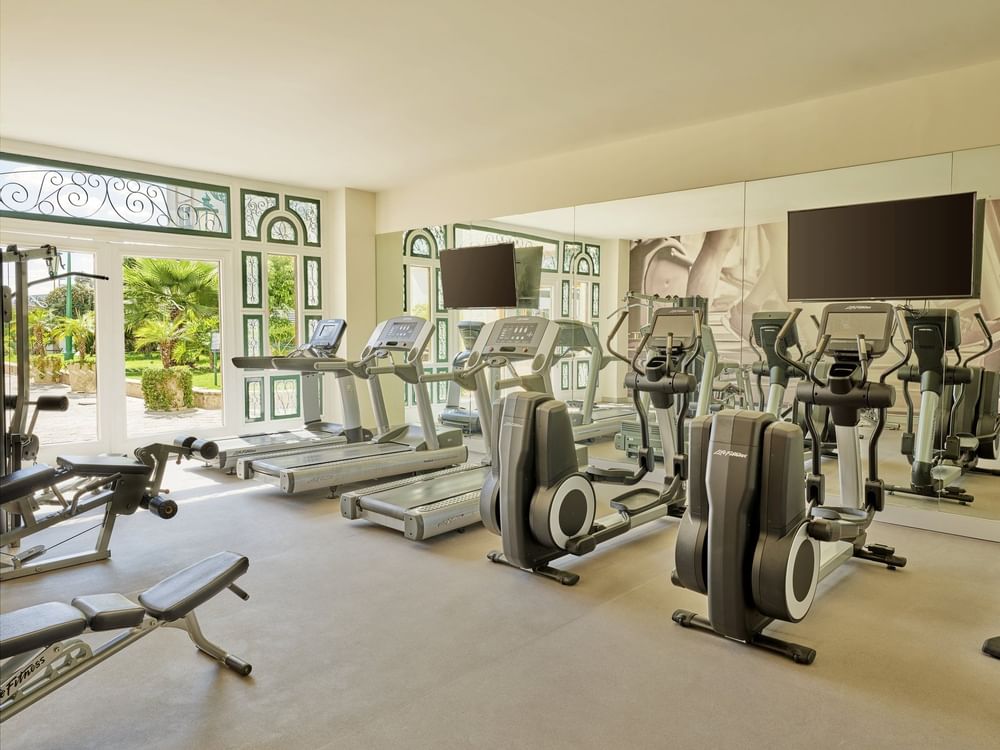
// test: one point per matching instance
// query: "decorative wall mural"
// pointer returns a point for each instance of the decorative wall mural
(738, 284)
(707, 264)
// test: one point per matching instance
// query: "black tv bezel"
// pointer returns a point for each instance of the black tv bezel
(978, 214)
(513, 255)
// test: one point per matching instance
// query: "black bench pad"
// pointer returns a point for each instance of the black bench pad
(38, 626)
(175, 596)
(27, 481)
(100, 466)
(109, 611)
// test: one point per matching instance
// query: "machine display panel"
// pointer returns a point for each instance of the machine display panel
(679, 323)
(516, 333)
(844, 328)
(327, 334)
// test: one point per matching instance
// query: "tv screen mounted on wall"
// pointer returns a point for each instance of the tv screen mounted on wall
(918, 248)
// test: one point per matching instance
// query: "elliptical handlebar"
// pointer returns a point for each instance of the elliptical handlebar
(986, 335)
(782, 350)
(908, 344)
(622, 316)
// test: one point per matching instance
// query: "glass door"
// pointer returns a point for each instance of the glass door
(62, 352)
(172, 345)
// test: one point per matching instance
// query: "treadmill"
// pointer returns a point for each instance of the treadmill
(454, 414)
(393, 450)
(322, 345)
(591, 420)
(425, 506)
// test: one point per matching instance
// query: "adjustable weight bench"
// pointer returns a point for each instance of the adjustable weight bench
(40, 650)
(119, 485)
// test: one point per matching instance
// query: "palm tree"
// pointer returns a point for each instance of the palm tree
(168, 289)
(164, 334)
(80, 329)
(164, 300)
(40, 329)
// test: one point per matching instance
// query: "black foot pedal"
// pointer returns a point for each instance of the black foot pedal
(883, 554)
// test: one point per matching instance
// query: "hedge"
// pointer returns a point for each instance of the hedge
(159, 386)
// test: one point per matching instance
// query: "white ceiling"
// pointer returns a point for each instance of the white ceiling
(379, 94)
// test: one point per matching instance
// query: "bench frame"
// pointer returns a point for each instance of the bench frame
(120, 494)
(47, 669)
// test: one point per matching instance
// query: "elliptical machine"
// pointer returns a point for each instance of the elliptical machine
(750, 537)
(958, 407)
(536, 499)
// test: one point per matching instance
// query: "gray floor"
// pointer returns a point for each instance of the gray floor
(361, 639)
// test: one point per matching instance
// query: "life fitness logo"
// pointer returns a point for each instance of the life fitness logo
(729, 454)
(858, 307)
(10, 688)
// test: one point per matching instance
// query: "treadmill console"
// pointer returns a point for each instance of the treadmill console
(327, 335)
(517, 338)
(683, 322)
(845, 321)
(406, 333)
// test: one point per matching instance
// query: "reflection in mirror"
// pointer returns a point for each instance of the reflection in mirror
(729, 244)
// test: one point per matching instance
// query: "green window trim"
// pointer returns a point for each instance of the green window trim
(594, 252)
(564, 300)
(307, 328)
(534, 238)
(441, 388)
(308, 241)
(440, 339)
(569, 251)
(248, 383)
(276, 240)
(247, 195)
(595, 300)
(138, 200)
(564, 375)
(247, 352)
(307, 282)
(276, 379)
(405, 282)
(244, 256)
(411, 238)
(438, 293)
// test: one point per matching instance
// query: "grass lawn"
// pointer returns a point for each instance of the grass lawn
(201, 375)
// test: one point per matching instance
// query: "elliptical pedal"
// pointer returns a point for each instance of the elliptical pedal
(881, 553)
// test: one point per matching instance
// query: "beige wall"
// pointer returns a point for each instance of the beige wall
(389, 304)
(942, 112)
(351, 285)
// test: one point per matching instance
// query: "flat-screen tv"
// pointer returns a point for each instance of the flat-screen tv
(491, 276)
(919, 248)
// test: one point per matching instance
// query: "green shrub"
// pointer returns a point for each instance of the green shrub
(47, 366)
(167, 389)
